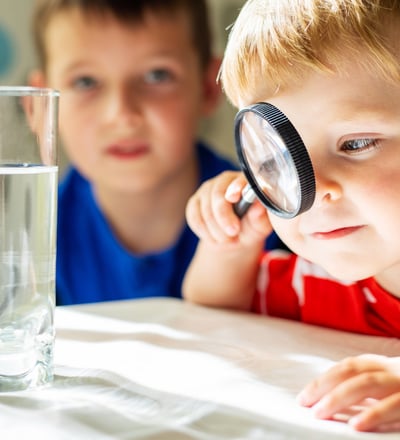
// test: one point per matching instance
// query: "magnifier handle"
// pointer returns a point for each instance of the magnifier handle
(248, 197)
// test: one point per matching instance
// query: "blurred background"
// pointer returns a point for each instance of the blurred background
(17, 58)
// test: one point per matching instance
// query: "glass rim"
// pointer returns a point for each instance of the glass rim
(28, 91)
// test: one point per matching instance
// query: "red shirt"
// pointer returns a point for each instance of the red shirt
(291, 287)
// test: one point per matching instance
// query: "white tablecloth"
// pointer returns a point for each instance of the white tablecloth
(166, 369)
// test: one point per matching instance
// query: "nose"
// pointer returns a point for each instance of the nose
(120, 105)
(328, 188)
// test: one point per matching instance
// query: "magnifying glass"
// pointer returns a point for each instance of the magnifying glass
(275, 162)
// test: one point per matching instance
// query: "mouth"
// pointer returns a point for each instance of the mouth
(336, 233)
(127, 150)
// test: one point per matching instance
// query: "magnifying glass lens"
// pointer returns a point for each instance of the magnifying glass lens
(270, 164)
(275, 160)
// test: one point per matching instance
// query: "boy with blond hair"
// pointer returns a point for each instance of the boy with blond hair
(333, 69)
(136, 78)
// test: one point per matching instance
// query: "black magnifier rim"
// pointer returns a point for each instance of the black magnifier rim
(296, 148)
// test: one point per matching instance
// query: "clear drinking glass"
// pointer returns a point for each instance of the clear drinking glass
(28, 208)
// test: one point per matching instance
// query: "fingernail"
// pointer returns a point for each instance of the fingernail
(319, 410)
(231, 191)
(231, 230)
(355, 421)
(301, 398)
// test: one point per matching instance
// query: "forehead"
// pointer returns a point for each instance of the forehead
(72, 32)
(355, 101)
(72, 20)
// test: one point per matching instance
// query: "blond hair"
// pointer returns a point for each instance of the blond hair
(275, 42)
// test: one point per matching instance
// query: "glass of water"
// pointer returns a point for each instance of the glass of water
(28, 208)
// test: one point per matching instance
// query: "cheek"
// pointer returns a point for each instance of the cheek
(286, 230)
(75, 121)
(75, 134)
(381, 202)
(379, 192)
(176, 126)
(68, 129)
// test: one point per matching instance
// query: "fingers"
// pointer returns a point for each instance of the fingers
(335, 376)
(368, 384)
(354, 390)
(258, 220)
(383, 416)
(210, 214)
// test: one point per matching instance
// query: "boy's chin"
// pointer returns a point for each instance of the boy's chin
(343, 272)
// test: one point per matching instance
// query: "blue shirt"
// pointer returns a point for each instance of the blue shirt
(93, 266)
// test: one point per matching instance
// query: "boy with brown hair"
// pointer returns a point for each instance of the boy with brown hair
(136, 78)
(332, 68)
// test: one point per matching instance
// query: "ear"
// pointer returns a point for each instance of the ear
(211, 89)
(37, 78)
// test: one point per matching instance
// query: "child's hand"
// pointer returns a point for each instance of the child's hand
(210, 212)
(369, 384)
(224, 269)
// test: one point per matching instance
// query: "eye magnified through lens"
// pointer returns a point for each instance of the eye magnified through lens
(275, 161)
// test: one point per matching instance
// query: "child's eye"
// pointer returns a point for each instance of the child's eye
(355, 146)
(157, 76)
(84, 83)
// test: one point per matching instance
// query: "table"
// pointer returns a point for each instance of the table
(164, 369)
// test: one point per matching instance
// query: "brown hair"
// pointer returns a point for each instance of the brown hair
(275, 42)
(127, 11)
